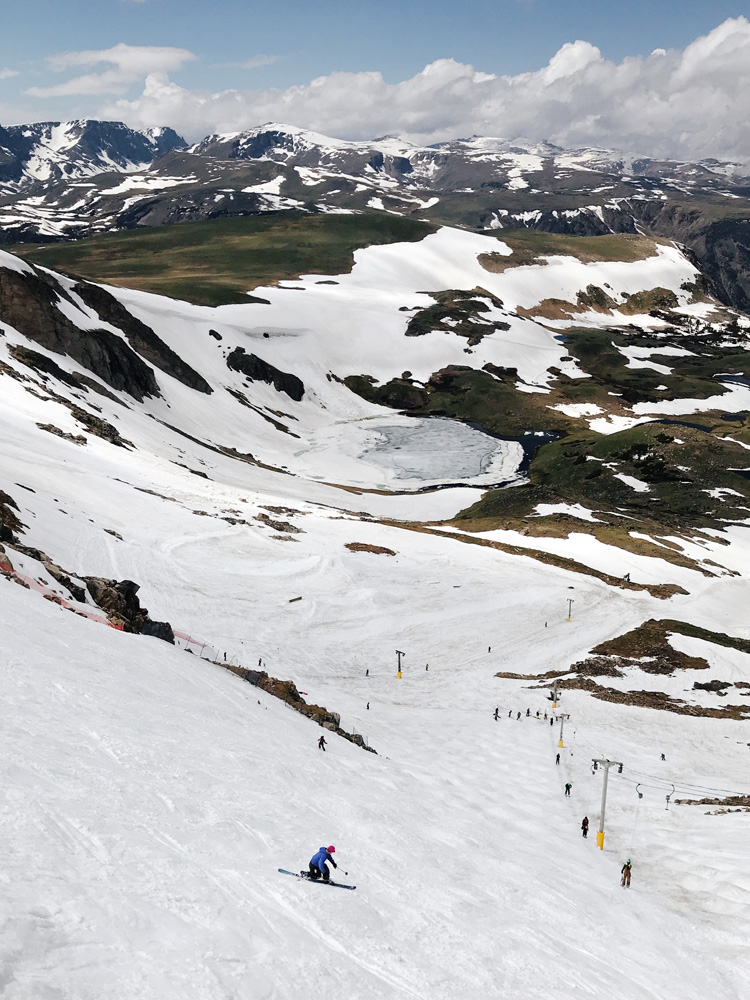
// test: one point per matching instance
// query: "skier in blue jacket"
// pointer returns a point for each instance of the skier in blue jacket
(318, 864)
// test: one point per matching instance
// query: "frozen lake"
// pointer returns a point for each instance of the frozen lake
(411, 453)
(440, 450)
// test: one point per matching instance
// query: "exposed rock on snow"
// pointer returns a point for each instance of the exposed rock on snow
(31, 302)
(255, 368)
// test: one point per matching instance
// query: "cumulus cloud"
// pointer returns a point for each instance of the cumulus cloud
(682, 103)
(127, 64)
(6, 74)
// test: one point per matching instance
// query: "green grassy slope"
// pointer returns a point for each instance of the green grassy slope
(219, 261)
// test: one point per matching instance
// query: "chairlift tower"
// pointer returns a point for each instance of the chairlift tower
(399, 654)
(561, 719)
(606, 764)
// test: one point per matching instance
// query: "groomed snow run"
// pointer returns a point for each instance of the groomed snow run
(150, 797)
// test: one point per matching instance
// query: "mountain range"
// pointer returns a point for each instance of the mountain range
(66, 181)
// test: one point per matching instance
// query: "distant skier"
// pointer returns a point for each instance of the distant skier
(518, 717)
(497, 712)
(322, 742)
(663, 757)
(318, 866)
(367, 672)
(568, 786)
(557, 759)
(551, 721)
(625, 881)
(537, 714)
(528, 712)
(368, 706)
(489, 649)
(510, 713)
(427, 666)
(545, 716)
(585, 827)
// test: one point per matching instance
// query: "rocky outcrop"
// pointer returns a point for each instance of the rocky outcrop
(119, 601)
(140, 336)
(399, 393)
(46, 366)
(256, 369)
(159, 630)
(9, 522)
(28, 302)
(59, 432)
(98, 427)
(287, 692)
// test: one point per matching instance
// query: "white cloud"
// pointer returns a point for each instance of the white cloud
(256, 62)
(683, 103)
(128, 64)
(6, 74)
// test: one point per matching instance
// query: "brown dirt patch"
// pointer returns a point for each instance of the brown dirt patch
(379, 550)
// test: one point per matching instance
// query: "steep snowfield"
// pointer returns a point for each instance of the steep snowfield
(150, 797)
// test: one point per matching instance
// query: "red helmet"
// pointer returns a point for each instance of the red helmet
(331, 849)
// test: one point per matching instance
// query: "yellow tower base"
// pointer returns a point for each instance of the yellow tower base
(561, 744)
(600, 840)
(398, 674)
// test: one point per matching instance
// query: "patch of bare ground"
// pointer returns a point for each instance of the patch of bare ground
(379, 550)
(595, 299)
(549, 675)
(281, 526)
(531, 246)
(648, 648)
(655, 699)
(730, 800)
(651, 639)
(283, 510)
(549, 309)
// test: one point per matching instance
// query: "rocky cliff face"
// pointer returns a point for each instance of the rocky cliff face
(141, 337)
(29, 302)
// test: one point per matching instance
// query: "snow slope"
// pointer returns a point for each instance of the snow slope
(150, 798)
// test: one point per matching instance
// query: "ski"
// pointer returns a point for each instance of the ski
(319, 881)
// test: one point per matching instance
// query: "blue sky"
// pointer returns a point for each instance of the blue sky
(236, 59)
(309, 39)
